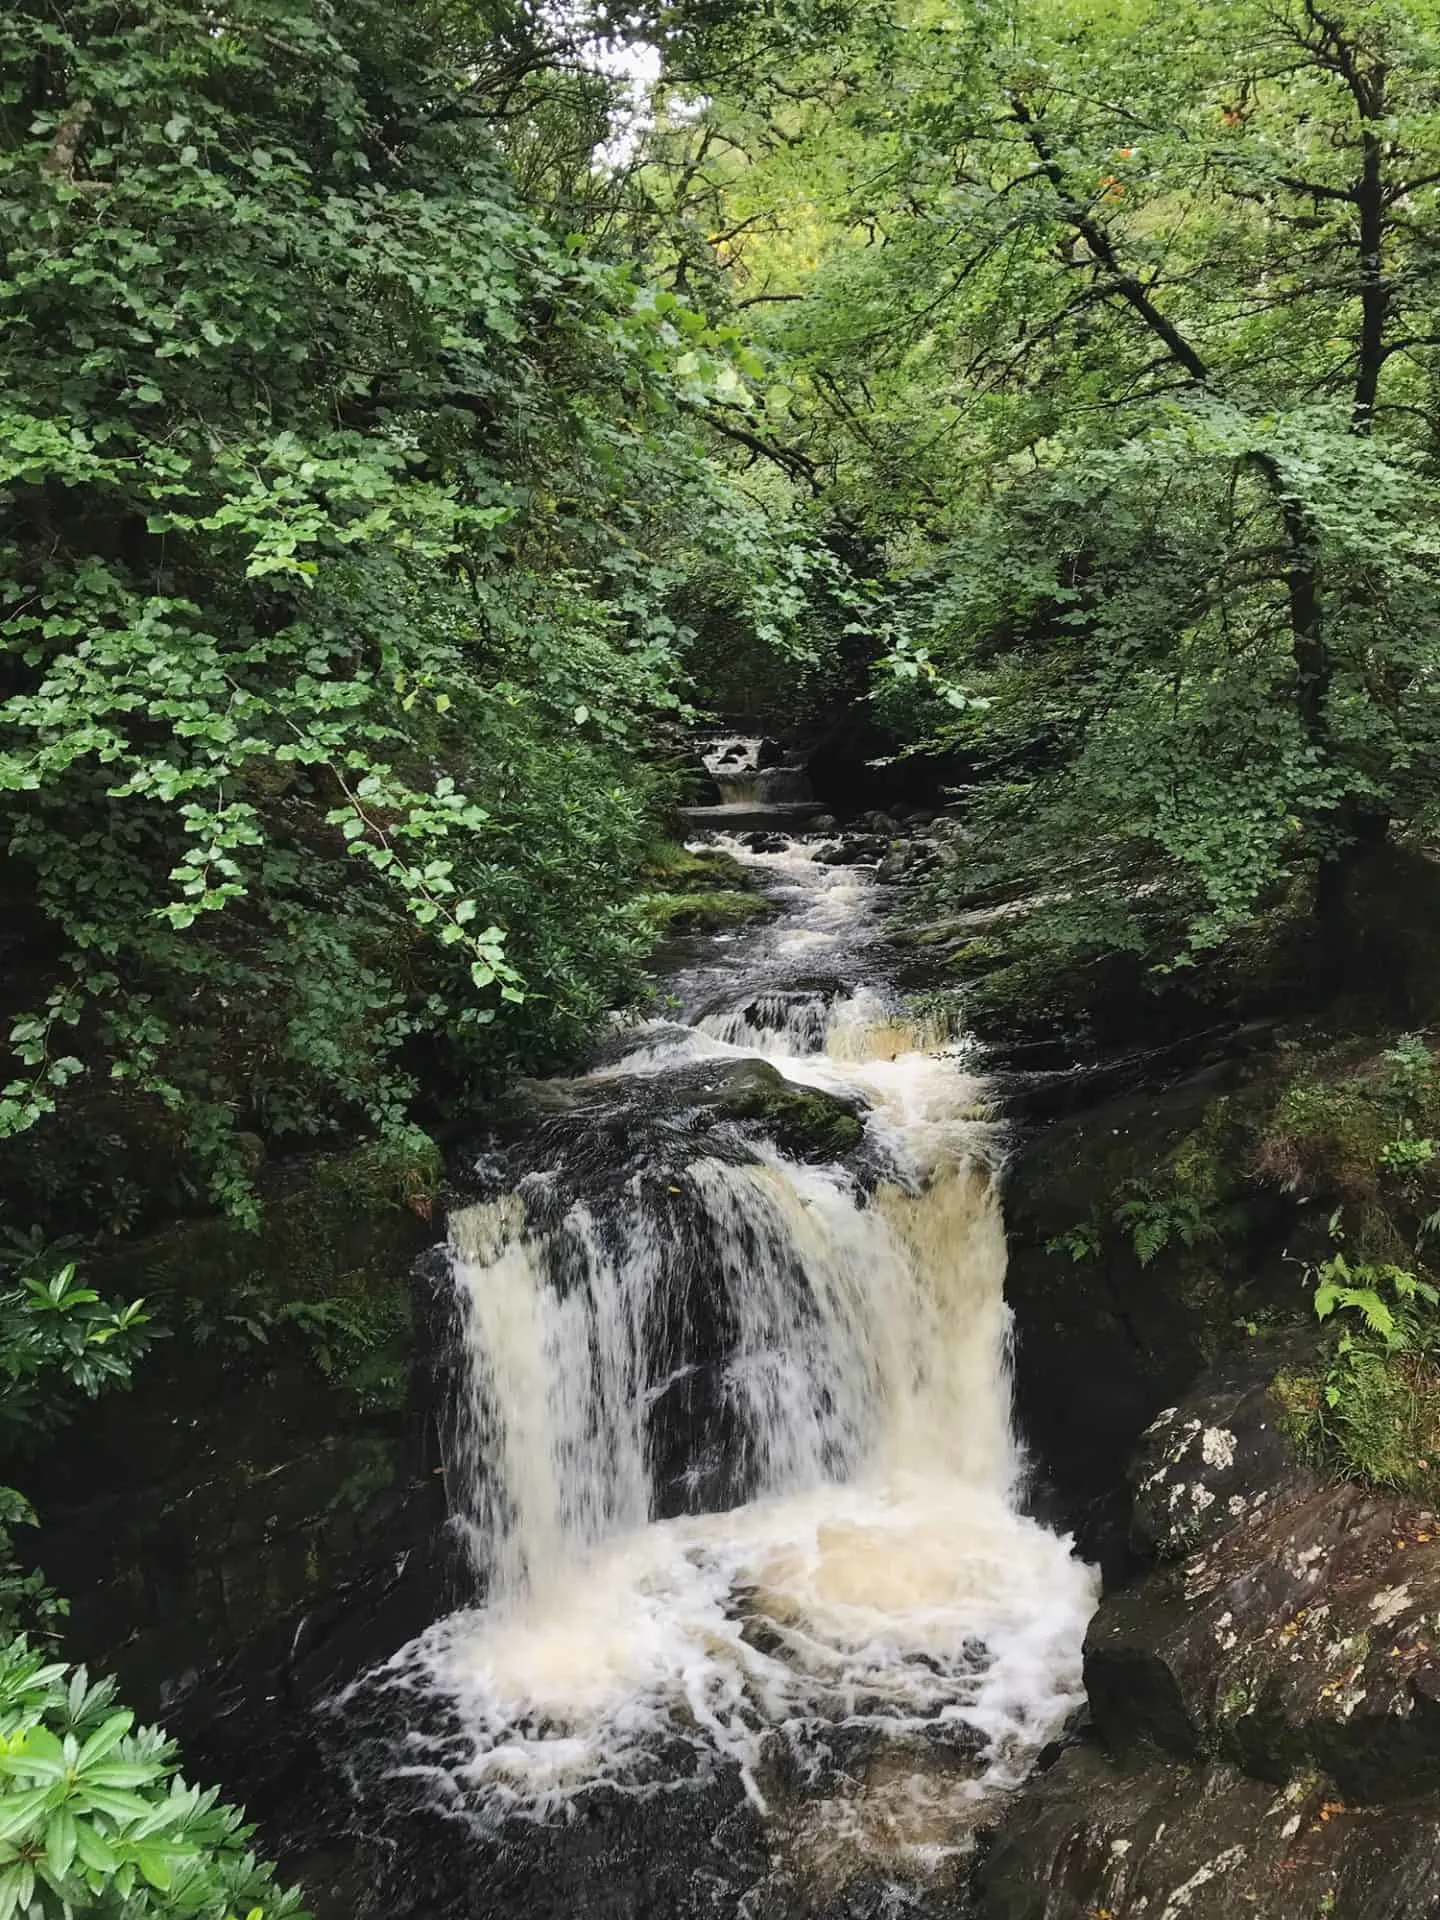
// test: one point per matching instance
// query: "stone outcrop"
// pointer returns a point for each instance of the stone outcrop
(1264, 1732)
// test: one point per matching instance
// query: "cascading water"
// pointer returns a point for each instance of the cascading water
(734, 1459)
(739, 769)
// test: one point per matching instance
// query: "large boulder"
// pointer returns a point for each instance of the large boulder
(1156, 1839)
(1264, 1732)
(1301, 1628)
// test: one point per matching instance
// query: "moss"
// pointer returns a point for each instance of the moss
(1235, 1702)
(974, 957)
(1300, 1396)
(705, 891)
(1354, 1121)
(1326, 1134)
(667, 913)
(1206, 1165)
(1383, 1427)
(804, 1122)
(672, 868)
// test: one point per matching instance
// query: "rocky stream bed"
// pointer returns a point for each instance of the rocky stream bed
(1261, 1727)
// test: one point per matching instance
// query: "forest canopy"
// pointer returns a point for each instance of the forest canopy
(1113, 328)
(404, 413)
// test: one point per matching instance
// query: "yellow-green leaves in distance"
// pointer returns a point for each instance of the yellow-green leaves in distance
(1117, 334)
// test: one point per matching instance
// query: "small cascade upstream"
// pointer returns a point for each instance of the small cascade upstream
(734, 1460)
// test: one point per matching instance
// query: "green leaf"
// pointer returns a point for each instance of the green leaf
(61, 1840)
(19, 1812)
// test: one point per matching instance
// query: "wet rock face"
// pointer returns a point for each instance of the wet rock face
(1307, 1636)
(855, 851)
(1265, 1702)
(603, 1133)
(1165, 1841)
(1103, 1344)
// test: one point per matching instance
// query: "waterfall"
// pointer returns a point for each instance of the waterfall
(734, 1458)
(738, 767)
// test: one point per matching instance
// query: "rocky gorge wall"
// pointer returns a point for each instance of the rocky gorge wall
(1261, 1733)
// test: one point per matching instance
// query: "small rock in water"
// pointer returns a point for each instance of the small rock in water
(854, 852)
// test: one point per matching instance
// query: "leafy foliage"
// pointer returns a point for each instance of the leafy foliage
(94, 1815)
(1112, 328)
(345, 503)
(1362, 1290)
(95, 1818)
(1150, 1218)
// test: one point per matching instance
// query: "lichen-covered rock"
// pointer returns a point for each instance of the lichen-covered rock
(1301, 1627)
(1264, 1732)
(1201, 1471)
(1096, 1839)
(1307, 1635)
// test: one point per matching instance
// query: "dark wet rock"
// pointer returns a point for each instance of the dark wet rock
(854, 851)
(590, 1136)
(1264, 1702)
(823, 823)
(906, 862)
(670, 1856)
(801, 1120)
(1105, 1341)
(1159, 1840)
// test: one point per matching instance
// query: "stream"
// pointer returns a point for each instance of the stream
(761, 1625)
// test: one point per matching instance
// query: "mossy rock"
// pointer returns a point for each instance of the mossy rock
(701, 891)
(668, 913)
(801, 1120)
(673, 868)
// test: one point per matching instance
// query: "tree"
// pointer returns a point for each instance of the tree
(345, 497)
(1123, 340)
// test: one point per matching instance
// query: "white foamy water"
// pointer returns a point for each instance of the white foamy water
(840, 1350)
